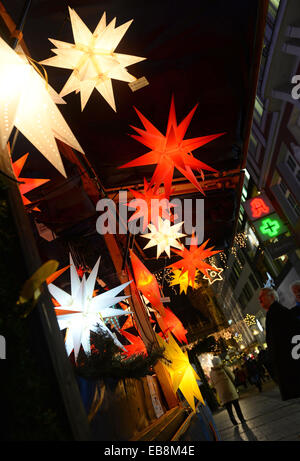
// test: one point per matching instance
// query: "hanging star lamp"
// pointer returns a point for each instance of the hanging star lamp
(146, 283)
(136, 346)
(28, 183)
(194, 259)
(28, 102)
(81, 312)
(93, 59)
(213, 275)
(146, 202)
(56, 274)
(173, 324)
(182, 279)
(164, 236)
(171, 151)
(182, 374)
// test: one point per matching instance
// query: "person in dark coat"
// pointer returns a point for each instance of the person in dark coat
(282, 336)
(253, 373)
(295, 289)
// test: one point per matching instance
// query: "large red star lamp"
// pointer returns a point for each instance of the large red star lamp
(194, 259)
(172, 324)
(171, 151)
(146, 283)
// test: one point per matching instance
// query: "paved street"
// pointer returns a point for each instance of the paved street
(268, 418)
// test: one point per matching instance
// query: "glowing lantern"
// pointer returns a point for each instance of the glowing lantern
(136, 347)
(182, 374)
(148, 203)
(182, 279)
(173, 324)
(28, 103)
(146, 283)
(28, 183)
(194, 259)
(213, 275)
(164, 236)
(171, 151)
(93, 59)
(82, 313)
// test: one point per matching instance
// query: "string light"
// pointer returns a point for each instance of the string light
(250, 320)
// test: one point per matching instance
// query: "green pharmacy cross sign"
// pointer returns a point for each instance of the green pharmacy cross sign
(269, 227)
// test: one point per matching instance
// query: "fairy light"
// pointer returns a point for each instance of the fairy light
(250, 320)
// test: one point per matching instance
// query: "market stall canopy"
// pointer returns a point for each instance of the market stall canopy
(204, 53)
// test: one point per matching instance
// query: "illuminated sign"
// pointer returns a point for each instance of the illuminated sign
(257, 207)
(269, 227)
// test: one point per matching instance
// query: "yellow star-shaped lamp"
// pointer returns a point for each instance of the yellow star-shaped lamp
(93, 59)
(164, 236)
(182, 374)
(182, 279)
(28, 102)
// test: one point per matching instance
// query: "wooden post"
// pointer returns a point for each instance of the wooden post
(141, 317)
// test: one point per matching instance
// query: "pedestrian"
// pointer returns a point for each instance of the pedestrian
(295, 289)
(241, 377)
(282, 333)
(264, 360)
(253, 373)
(222, 379)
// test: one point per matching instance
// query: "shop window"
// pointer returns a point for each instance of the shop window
(253, 282)
(247, 291)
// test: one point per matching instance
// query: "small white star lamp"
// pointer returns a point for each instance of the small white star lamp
(164, 236)
(29, 103)
(93, 59)
(81, 312)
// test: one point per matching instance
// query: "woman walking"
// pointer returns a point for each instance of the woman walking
(222, 380)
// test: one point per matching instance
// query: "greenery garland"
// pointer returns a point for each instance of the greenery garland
(106, 361)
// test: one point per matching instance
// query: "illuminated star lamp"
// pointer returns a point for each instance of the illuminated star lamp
(93, 59)
(214, 275)
(164, 236)
(82, 313)
(182, 374)
(28, 183)
(182, 279)
(137, 347)
(194, 259)
(146, 283)
(171, 150)
(145, 203)
(173, 324)
(29, 103)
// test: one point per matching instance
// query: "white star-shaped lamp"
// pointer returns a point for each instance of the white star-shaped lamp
(28, 102)
(82, 313)
(164, 236)
(93, 59)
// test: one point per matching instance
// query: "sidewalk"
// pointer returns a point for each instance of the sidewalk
(268, 418)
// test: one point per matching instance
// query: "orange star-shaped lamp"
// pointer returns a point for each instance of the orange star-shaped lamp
(194, 259)
(171, 151)
(28, 183)
(148, 203)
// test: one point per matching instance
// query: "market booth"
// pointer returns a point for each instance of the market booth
(99, 299)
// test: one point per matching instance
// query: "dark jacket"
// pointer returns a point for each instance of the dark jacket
(281, 327)
(295, 311)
